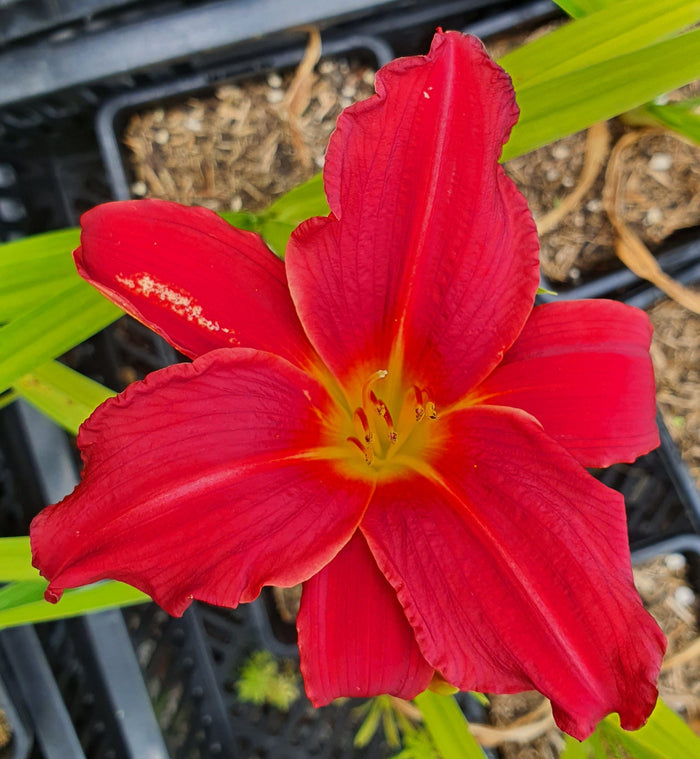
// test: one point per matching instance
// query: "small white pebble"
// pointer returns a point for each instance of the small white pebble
(675, 562)
(236, 203)
(193, 125)
(560, 152)
(139, 189)
(574, 273)
(325, 67)
(348, 91)
(162, 137)
(660, 162)
(8, 175)
(275, 96)
(368, 77)
(653, 216)
(552, 175)
(594, 205)
(274, 80)
(568, 181)
(684, 596)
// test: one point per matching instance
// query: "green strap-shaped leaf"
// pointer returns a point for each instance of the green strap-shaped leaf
(62, 394)
(448, 727)
(35, 268)
(39, 258)
(23, 603)
(16, 560)
(621, 28)
(51, 328)
(580, 8)
(558, 107)
(677, 116)
(665, 736)
(25, 297)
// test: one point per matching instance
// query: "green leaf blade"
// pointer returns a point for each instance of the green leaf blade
(16, 560)
(51, 328)
(62, 394)
(665, 736)
(675, 116)
(559, 107)
(580, 8)
(23, 603)
(448, 727)
(279, 220)
(39, 258)
(620, 28)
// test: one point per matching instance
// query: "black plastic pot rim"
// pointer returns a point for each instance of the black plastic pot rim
(111, 115)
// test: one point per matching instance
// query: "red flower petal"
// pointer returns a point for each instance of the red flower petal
(583, 370)
(512, 565)
(354, 639)
(190, 276)
(430, 251)
(204, 481)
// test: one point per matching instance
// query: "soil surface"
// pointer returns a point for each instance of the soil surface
(248, 143)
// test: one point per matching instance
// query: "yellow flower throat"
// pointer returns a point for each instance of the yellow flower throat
(380, 438)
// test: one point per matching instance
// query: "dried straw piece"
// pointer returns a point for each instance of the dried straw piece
(298, 97)
(597, 149)
(628, 246)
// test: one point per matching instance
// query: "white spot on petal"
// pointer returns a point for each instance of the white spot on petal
(177, 300)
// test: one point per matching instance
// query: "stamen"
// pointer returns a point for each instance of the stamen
(383, 411)
(377, 442)
(420, 408)
(366, 450)
(424, 405)
(367, 387)
(362, 425)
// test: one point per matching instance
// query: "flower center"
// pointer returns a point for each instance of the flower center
(379, 434)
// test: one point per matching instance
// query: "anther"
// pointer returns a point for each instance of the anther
(377, 403)
(362, 425)
(420, 408)
(366, 450)
(424, 405)
(383, 411)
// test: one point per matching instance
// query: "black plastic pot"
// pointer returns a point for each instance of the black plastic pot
(112, 117)
(679, 257)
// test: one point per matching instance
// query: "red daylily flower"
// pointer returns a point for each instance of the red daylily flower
(384, 417)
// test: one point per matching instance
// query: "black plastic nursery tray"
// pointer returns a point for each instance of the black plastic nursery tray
(679, 257)
(64, 58)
